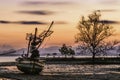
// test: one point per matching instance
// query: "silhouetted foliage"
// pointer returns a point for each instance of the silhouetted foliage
(71, 51)
(92, 32)
(54, 54)
(47, 55)
(65, 50)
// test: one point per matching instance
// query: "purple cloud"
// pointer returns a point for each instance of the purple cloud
(22, 22)
(35, 12)
(109, 22)
(44, 2)
(30, 22)
(4, 22)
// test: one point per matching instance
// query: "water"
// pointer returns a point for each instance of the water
(12, 58)
(8, 59)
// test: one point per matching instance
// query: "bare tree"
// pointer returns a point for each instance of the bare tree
(92, 32)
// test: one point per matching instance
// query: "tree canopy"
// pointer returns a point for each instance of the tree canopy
(92, 31)
(65, 50)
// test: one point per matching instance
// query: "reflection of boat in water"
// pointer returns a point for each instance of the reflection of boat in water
(32, 64)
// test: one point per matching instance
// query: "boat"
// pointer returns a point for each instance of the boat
(30, 62)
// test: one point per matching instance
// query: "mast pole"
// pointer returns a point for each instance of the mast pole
(45, 34)
(28, 47)
(30, 38)
(35, 35)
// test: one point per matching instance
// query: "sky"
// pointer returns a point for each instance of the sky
(18, 17)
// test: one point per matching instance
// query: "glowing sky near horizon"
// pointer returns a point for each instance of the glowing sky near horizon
(65, 13)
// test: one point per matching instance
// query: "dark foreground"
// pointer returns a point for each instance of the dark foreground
(67, 69)
(65, 72)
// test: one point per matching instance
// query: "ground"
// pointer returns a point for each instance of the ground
(65, 72)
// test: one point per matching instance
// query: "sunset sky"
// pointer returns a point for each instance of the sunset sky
(18, 17)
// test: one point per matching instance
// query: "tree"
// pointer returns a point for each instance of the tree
(92, 32)
(71, 51)
(54, 54)
(64, 50)
(47, 55)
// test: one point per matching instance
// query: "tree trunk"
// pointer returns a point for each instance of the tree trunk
(94, 53)
(93, 57)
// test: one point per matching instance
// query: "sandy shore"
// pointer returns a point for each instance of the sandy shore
(64, 72)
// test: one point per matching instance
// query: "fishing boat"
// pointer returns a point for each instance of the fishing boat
(30, 62)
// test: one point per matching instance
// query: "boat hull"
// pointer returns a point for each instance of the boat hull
(30, 67)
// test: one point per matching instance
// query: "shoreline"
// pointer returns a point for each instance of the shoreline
(65, 72)
(79, 61)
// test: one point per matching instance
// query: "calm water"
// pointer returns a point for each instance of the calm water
(7, 59)
(12, 58)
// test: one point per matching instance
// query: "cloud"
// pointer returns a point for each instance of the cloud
(22, 22)
(56, 22)
(44, 2)
(30, 22)
(42, 12)
(4, 22)
(109, 22)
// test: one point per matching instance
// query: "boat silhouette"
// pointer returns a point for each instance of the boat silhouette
(30, 62)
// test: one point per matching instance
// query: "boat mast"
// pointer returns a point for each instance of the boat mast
(33, 38)
(45, 35)
(28, 47)
(30, 39)
(35, 35)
